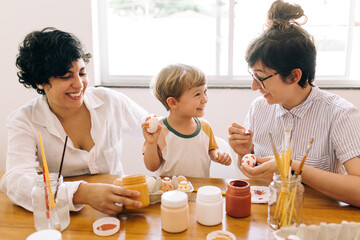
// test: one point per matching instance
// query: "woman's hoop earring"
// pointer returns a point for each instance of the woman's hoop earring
(40, 86)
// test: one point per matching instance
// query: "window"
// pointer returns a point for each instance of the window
(139, 37)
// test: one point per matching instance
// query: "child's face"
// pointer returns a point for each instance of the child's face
(193, 101)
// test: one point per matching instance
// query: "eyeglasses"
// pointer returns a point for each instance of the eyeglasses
(260, 80)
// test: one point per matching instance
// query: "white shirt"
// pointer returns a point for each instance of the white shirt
(332, 121)
(112, 115)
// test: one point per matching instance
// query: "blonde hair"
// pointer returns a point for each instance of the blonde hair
(174, 79)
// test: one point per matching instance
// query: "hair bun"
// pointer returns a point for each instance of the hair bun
(283, 14)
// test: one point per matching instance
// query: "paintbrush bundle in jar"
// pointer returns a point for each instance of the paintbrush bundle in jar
(286, 191)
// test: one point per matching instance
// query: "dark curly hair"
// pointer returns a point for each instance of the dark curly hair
(285, 45)
(47, 53)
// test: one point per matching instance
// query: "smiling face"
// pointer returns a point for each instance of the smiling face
(67, 92)
(193, 101)
(276, 91)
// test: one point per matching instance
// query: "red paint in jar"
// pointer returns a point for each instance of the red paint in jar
(106, 226)
(238, 199)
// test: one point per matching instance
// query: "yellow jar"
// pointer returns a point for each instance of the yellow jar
(138, 183)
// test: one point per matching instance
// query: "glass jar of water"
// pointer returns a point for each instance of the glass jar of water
(47, 215)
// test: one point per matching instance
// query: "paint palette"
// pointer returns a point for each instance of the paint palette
(259, 194)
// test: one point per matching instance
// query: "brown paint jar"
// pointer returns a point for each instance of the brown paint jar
(238, 199)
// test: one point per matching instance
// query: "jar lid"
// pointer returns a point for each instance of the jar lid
(106, 226)
(133, 180)
(220, 234)
(238, 188)
(174, 199)
(209, 194)
(45, 235)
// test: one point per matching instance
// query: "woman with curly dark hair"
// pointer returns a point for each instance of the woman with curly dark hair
(54, 63)
(282, 64)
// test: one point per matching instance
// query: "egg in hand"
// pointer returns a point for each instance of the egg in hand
(153, 124)
(248, 160)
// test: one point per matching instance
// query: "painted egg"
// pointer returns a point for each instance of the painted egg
(184, 186)
(181, 178)
(249, 160)
(166, 185)
(153, 124)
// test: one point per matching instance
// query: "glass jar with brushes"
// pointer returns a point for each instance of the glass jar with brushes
(285, 201)
(50, 203)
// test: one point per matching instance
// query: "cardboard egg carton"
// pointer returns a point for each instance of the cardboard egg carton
(331, 231)
(157, 186)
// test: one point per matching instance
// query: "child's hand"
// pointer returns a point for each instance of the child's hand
(222, 157)
(151, 138)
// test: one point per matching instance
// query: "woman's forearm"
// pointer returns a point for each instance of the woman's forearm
(345, 188)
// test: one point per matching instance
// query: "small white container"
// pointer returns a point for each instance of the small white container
(46, 234)
(209, 206)
(174, 211)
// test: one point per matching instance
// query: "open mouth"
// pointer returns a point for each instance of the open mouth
(74, 94)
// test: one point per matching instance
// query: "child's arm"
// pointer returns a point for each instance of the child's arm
(220, 156)
(152, 155)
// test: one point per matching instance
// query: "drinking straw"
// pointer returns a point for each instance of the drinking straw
(61, 165)
(46, 170)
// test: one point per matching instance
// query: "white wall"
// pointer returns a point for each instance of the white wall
(19, 17)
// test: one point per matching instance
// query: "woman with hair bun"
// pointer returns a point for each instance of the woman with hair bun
(282, 64)
(53, 63)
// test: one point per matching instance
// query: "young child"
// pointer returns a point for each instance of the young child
(183, 144)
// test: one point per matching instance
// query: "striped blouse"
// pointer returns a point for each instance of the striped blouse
(331, 120)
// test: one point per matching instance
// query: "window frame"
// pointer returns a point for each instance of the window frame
(220, 81)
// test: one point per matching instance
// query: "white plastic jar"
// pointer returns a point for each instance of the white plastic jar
(209, 206)
(174, 211)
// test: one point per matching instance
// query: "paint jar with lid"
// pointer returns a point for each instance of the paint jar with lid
(238, 199)
(138, 183)
(174, 211)
(209, 206)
